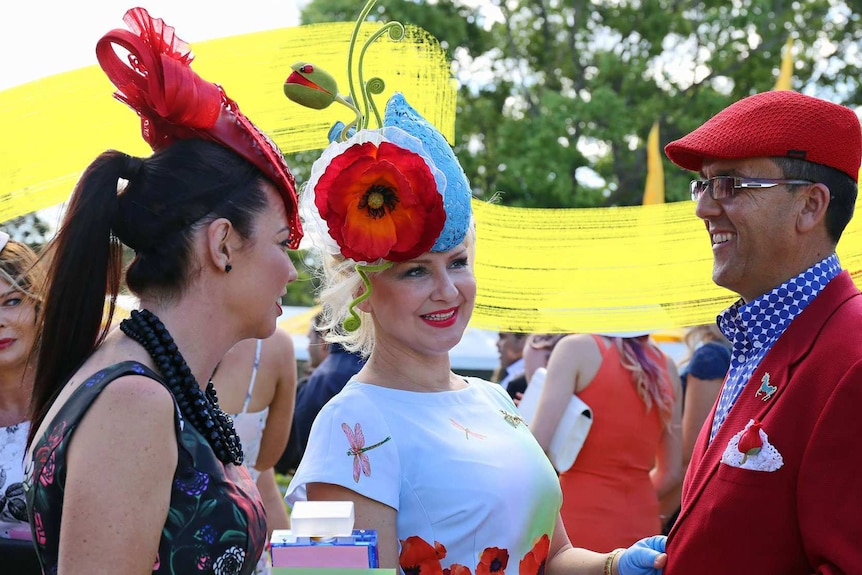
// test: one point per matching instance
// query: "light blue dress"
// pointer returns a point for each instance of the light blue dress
(469, 482)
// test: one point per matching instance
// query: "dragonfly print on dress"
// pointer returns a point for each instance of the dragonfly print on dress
(468, 433)
(356, 439)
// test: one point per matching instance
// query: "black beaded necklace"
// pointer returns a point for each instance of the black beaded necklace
(199, 409)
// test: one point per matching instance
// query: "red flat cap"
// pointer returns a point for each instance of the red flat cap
(780, 123)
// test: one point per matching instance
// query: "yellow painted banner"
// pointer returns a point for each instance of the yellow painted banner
(604, 269)
(54, 127)
(538, 270)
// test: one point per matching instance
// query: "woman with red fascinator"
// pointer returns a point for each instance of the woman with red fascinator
(133, 467)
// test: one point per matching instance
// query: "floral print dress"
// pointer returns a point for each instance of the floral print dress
(215, 523)
(474, 492)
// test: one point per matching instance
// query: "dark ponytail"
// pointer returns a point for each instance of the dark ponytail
(86, 261)
(189, 183)
(167, 197)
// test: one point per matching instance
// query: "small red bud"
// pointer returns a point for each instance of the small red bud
(750, 442)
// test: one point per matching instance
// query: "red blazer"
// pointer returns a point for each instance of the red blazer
(805, 517)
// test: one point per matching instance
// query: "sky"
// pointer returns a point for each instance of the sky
(40, 38)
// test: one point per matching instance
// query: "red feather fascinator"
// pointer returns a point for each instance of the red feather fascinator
(174, 103)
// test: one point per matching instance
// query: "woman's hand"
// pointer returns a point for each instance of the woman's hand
(646, 557)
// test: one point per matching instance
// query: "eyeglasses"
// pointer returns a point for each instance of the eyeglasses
(721, 187)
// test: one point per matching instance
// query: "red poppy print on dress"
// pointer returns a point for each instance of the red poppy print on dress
(493, 560)
(457, 569)
(418, 557)
(534, 561)
(380, 202)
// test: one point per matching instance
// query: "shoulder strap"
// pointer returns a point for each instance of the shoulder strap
(254, 369)
(603, 343)
(122, 369)
(80, 400)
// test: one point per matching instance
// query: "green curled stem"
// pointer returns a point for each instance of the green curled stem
(362, 16)
(341, 100)
(353, 322)
(375, 86)
(396, 32)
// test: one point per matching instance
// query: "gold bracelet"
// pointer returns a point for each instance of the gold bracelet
(609, 562)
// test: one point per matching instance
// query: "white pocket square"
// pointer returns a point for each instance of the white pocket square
(756, 453)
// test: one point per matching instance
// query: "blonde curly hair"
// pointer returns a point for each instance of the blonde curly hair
(340, 286)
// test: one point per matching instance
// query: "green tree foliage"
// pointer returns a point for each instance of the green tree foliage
(557, 97)
(454, 24)
(301, 292)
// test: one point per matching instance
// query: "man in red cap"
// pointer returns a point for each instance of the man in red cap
(775, 480)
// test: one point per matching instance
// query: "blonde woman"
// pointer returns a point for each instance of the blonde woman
(430, 459)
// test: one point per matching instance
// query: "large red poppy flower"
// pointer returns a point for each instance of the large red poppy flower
(493, 560)
(418, 557)
(534, 561)
(380, 202)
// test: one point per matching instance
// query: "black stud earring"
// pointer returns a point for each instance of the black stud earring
(227, 268)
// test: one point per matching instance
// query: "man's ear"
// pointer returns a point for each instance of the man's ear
(815, 201)
(221, 237)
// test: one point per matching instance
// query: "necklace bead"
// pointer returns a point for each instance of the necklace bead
(199, 408)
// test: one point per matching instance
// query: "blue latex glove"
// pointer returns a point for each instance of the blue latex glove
(639, 559)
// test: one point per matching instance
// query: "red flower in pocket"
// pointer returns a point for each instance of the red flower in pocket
(419, 558)
(750, 443)
(492, 560)
(380, 202)
(534, 561)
